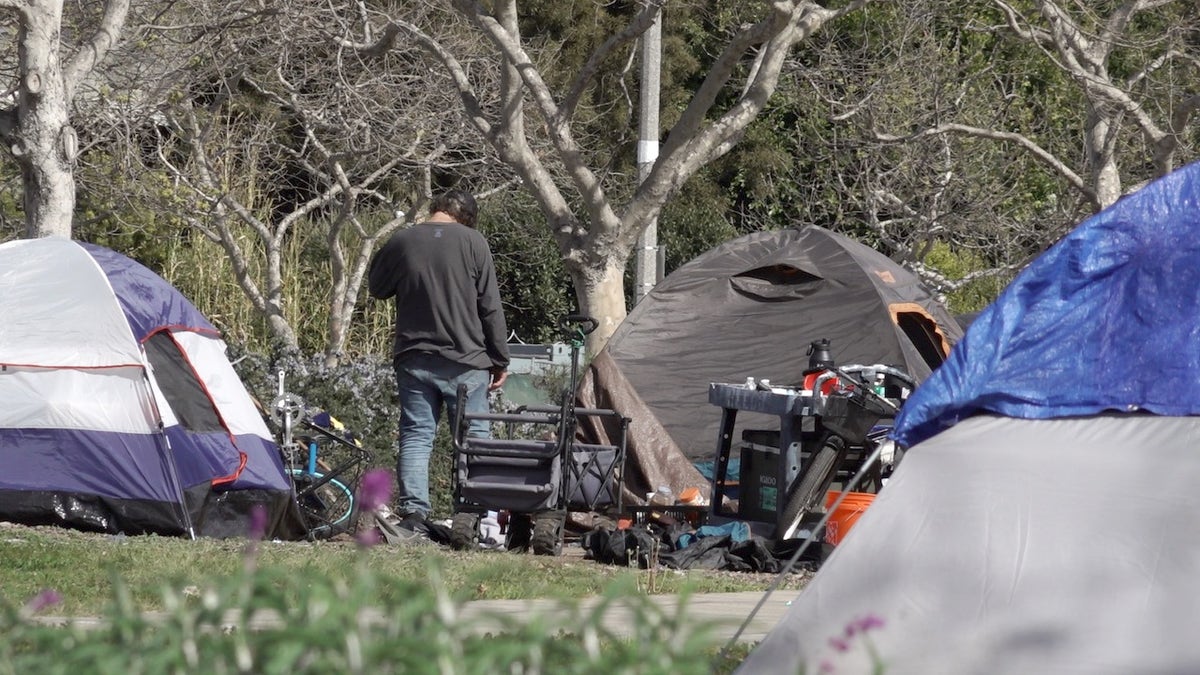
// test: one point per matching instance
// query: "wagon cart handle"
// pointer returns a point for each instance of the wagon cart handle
(579, 323)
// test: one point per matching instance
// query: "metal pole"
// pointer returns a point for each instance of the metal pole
(646, 271)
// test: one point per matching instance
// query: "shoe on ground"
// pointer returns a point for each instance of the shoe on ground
(413, 526)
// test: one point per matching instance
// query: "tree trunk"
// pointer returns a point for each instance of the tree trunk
(600, 290)
(1100, 141)
(44, 142)
(281, 330)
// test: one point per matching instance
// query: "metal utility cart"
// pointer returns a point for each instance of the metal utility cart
(783, 473)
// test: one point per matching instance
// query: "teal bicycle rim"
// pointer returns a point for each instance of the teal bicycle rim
(333, 518)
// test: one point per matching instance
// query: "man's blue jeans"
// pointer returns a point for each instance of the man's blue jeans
(426, 383)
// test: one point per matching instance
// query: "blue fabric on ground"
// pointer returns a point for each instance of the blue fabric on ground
(1106, 319)
(737, 531)
(708, 469)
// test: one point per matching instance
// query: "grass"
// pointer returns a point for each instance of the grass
(81, 567)
(315, 589)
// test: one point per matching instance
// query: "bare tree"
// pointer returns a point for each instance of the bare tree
(279, 132)
(594, 233)
(962, 132)
(36, 126)
(1152, 88)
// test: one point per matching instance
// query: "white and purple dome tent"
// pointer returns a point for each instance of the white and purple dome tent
(119, 410)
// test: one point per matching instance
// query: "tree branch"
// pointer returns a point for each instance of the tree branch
(461, 82)
(376, 48)
(91, 52)
(1027, 32)
(638, 26)
(718, 75)
(1046, 157)
(603, 219)
(691, 143)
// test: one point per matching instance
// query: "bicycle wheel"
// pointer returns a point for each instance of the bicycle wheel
(326, 504)
(813, 484)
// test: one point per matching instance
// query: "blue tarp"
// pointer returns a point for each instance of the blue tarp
(1106, 319)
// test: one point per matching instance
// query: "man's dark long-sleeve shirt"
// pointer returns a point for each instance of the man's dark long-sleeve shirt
(447, 299)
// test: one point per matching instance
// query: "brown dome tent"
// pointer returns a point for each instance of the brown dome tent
(750, 308)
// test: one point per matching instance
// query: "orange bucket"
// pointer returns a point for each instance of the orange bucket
(847, 513)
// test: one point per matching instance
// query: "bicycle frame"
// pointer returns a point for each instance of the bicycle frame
(324, 494)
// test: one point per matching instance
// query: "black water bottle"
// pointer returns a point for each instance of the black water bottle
(819, 357)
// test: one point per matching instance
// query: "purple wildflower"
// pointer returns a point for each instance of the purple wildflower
(258, 523)
(369, 538)
(48, 597)
(856, 629)
(868, 622)
(375, 490)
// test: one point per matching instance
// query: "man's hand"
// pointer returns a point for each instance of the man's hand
(499, 375)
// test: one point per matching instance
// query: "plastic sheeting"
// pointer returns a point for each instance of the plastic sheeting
(1107, 319)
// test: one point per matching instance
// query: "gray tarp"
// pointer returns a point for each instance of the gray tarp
(1017, 546)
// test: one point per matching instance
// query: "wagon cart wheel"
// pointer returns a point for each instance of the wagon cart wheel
(813, 484)
(464, 531)
(520, 531)
(548, 533)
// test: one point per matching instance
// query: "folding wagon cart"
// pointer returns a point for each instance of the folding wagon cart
(535, 470)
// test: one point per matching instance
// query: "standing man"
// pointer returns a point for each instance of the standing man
(450, 330)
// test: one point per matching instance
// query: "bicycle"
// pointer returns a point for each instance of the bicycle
(323, 486)
(848, 412)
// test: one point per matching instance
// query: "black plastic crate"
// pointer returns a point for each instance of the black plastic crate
(850, 415)
(680, 513)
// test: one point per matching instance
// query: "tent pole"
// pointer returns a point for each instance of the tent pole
(169, 455)
(187, 517)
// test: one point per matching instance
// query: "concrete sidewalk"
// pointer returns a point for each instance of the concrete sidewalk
(723, 613)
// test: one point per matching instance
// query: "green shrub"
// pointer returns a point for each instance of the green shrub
(360, 393)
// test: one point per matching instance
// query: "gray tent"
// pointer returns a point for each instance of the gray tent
(1016, 546)
(750, 308)
(1044, 518)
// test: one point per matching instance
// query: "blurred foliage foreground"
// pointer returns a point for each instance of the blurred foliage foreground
(250, 622)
